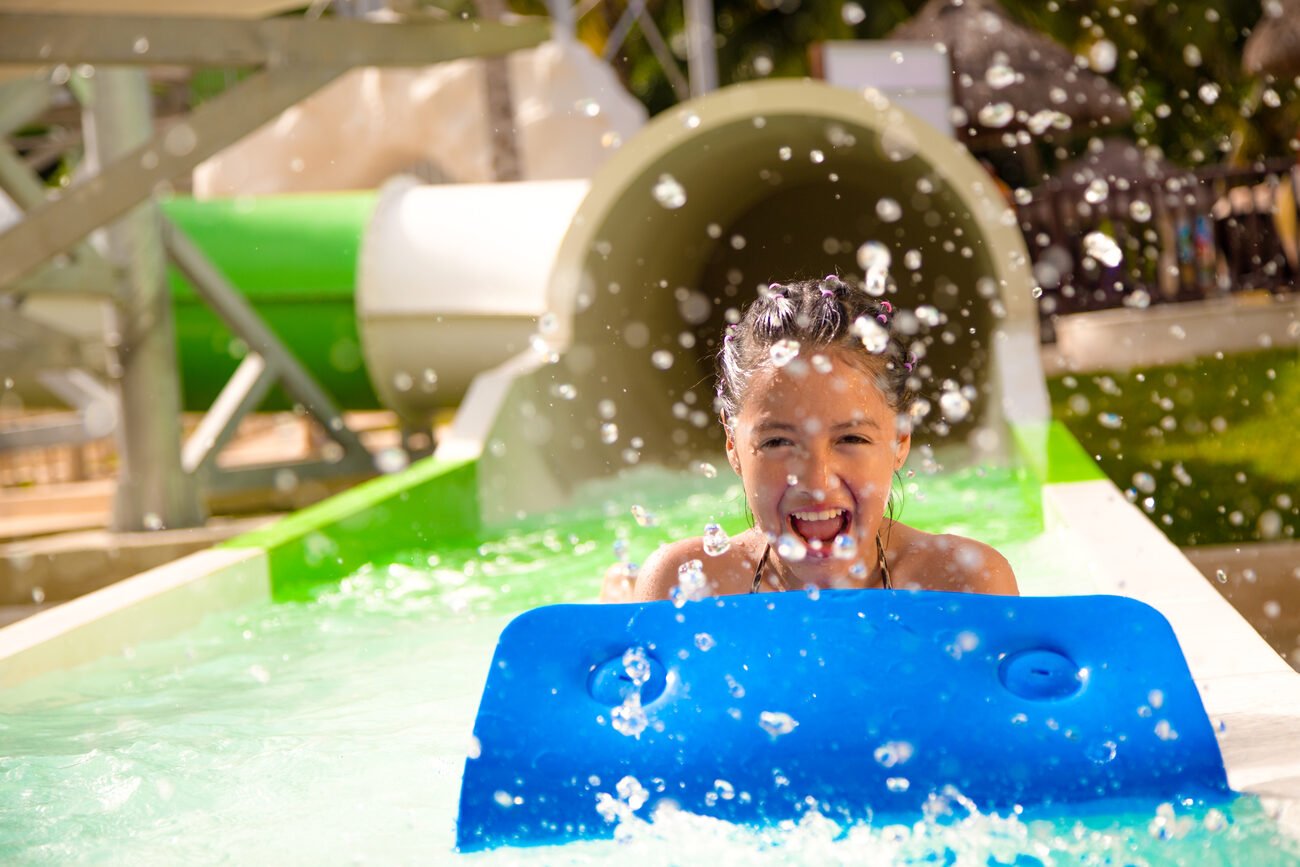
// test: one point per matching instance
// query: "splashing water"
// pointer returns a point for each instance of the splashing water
(692, 584)
(783, 352)
(716, 540)
(644, 518)
(845, 547)
(892, 753)
(874, 256)
(669, 193)
(776, 723)
(791, 548)
(1103, 248)
(872, 334)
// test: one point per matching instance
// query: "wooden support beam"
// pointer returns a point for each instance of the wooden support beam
(127, 40)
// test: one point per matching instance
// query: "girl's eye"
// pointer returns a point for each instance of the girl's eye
(855, 439)
(774, 442)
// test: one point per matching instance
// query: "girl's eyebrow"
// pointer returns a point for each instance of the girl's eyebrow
(844, 425)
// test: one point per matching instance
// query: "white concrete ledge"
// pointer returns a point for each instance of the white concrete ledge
(155, 604)
(1250, 693)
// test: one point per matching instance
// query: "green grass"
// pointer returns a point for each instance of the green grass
(1209, 449)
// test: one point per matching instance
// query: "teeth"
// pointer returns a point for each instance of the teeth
(824, 515)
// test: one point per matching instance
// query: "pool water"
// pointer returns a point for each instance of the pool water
(334, 730)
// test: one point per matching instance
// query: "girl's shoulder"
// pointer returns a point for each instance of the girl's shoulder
(931, 561)
(729, 572)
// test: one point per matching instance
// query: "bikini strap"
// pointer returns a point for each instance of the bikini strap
(762, 564)
(886, 582)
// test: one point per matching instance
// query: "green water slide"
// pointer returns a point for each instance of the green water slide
(294, 257)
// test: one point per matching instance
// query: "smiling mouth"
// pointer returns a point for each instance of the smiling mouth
(819, 527)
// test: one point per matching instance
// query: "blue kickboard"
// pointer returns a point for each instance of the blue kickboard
(864, 702)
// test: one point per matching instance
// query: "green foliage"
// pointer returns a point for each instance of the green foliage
(1207, 449)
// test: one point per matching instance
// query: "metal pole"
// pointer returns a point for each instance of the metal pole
(701, 53)
(565, 25)
(152, 490)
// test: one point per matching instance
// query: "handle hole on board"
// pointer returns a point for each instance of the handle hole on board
(1040, 675)
(610, 684)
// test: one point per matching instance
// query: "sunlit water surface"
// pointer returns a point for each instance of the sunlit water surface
(334, 731)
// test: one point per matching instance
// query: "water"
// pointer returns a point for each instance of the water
(334, 731)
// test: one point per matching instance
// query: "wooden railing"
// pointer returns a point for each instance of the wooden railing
(1182, 236)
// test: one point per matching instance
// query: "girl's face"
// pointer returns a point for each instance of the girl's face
(815, 452)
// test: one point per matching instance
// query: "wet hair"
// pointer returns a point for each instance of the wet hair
(831, 313)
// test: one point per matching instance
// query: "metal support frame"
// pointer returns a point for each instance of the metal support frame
(267, 361)
(297, 57)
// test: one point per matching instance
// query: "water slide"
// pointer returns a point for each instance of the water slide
(546, 311)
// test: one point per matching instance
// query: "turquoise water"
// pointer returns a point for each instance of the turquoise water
(334, 731)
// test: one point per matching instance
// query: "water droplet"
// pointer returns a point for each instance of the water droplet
(734, 687)
(845, 547)
(643, 517)
(1165, 731)
(1103, 248)
(816, 156)
(692, 585)
(1191, 55)
(912, 259)
(152, 521)
(180, 139)
(892, 753)
(1102, 56)
(898, 784)
(999, 76)
(706, 469)
(565, 391)
(888, 210)
(1096, 191)
(38, 595)
(392, 460)
(669, 193)
(821, 363)
(1221, 576)
(609, 433)
(852, 14)
(791, 548)
(1036, 292)
(503, 799)
(784, 153)
(1208, 92)
(259, 674)
(629, 718)
(588, 107)
(716, 540)
(1110, 420)
(872, 334)
(783, 352)
(691, 120)
(705, 642)
(1103, 752)
(954, 406)
(631, 791)
(1139, 210)
(637, 665)
(929, 316)
(873, 256)
(996, 115)
(662, 359)
(1144, 482)
(776, 723)
(141, 45)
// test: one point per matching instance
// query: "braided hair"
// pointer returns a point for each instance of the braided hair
(830, 313)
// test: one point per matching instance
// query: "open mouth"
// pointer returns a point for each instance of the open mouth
(819, 527)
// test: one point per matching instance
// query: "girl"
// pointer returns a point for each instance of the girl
(814, 393)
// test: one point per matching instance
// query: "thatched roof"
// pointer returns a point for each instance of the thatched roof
(1007, 77)
(1274, 45)
(1115, 159)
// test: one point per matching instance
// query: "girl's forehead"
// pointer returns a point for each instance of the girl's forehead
(845, 390)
